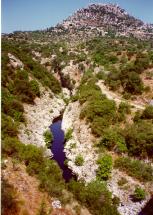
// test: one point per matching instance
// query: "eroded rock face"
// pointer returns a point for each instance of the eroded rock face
(81, 143)
(39, 117)
(72, 73)
(15, 62)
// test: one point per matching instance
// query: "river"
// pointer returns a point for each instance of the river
(148, 209)
(57, 149)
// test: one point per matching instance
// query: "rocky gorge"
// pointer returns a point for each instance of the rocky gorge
(39, 117)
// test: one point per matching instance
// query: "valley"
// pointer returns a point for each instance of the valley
(77, 118)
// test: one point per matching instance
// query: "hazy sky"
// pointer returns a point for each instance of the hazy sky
(39, 14)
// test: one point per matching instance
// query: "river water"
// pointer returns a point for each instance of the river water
(57, 149)
(148, 209)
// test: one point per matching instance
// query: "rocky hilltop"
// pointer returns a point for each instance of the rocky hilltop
(103, 19)
(90, 22)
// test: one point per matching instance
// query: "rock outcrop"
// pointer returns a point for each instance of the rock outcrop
(39, 117)
(15, 62)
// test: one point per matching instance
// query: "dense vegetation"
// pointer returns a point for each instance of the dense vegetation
(31, 68)
(126, 59)
(98, 110)
(9, 202)
(135, 168)
(17, 88)
(94, 196)
(139, 138)
(36, 164)
(106, 120)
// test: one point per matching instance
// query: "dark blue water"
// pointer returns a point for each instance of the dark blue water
(58, 147)
(148, 209)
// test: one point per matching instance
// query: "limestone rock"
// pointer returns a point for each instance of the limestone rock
(39, 117)
(15, 62)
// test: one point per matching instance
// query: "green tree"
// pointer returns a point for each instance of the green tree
(139, 138)
(133, 84)
(105, 167)
(111, 139)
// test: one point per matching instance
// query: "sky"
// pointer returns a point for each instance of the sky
(39, 14)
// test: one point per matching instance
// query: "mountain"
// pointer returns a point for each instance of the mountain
(90, 22)
(102, 19)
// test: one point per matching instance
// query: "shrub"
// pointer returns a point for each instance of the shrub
(48, 137)
(127, 95)
(47, 171)
(18, 116)
(101, 75)
(11, 106)
(35, 87)
(122, 182)
(139, 138)
(9, 127)
(139, 194)
(111, 139)
(94, 196)
(23, 90)
(105, 167)
(134, 84)
(124, 108)
(137, 116)
(79, 160)
(68, 134)
(42, 210)
(116, 200)
(100, 113)
(10, 204)
(73, 145)
(22, 75)
(148, 112)
(11, 146)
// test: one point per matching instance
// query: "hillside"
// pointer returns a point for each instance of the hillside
(100, 90)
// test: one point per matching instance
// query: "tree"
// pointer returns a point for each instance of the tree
(139, 138)
(133, 84)
(105, 166)
(111, 139)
